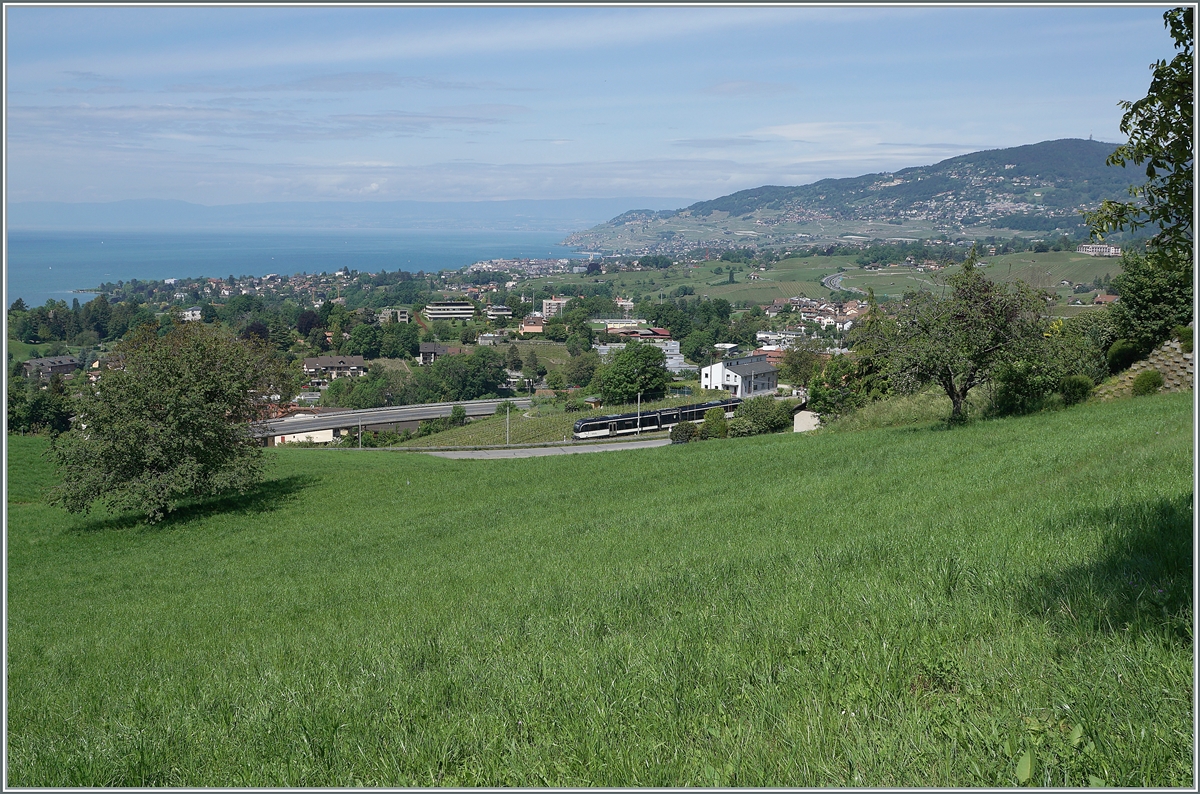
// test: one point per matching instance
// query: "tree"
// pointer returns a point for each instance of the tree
(580, 369)
(959, 340)
(1160, 130)
(307, 321)
(512, 359)
(639, 368)
(797, 365)
(365, 341)
(172, 425)
(1153, 300)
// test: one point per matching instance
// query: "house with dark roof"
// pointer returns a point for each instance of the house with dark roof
(54, 365)
(430, 352)
(748, 376)
(322, 369)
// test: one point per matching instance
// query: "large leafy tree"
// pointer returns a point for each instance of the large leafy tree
(172, 425)
(639, 368)
(960, 339)
(1161, 135)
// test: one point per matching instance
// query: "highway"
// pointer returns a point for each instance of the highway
(379, 416)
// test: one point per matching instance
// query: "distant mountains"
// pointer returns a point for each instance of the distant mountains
(551, 215)
(1039, 188)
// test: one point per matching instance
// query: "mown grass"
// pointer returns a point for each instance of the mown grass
(895, 607)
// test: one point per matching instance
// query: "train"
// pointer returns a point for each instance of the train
(662, 419)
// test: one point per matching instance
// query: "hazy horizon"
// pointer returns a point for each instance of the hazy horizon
(229, 105)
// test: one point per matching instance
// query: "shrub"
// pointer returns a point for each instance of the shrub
(1075, 389)
(740, 426)
(1122, 353)
(1185, 336)
(1021, 387)
(1147, 382)
(714, 424)
(764, 414)
(684, 432)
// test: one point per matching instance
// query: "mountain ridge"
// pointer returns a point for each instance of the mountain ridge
(1039, 187)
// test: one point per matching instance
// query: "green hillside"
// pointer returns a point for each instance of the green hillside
(1037, 189)
(1005, 602)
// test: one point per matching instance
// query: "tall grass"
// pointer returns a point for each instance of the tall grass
(1000, 603)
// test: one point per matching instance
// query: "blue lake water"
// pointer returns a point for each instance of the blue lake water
(50, 265)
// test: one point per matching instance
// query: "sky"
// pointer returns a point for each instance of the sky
(225, 105)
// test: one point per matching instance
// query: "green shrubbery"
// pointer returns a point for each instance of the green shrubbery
(1185, 336)
(684, 432)
(1147, 382)
(714, 425)
(1075, 389)
(1122, 354)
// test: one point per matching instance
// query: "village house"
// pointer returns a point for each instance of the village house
(430, 352)
(748, 376)
(322, 369)
(45, 368)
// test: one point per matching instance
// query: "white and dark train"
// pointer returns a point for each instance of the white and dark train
(662, 419)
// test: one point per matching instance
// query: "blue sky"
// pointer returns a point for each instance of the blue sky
(229, 105)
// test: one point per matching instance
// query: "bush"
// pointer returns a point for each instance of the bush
(1185, 336)
(1021, 387)
(739, 427)
(1075, 389)
(684, 432)
(1147, 382)
(1122, 353)
(714, 425)
(764, 414)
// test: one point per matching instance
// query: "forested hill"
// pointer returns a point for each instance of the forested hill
(1040, 187)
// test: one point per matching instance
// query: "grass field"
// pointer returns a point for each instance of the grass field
(1007, 601)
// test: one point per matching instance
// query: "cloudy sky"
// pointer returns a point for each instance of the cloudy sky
(229, 105)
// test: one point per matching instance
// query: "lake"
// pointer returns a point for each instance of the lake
(50, 265)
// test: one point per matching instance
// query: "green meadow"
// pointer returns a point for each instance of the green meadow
(1004, 603)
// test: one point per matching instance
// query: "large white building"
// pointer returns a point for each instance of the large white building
(1101, 249)
(748, 376)
(554, 307)
(450, 310)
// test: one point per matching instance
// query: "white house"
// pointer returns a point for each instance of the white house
(192, 314)
(749, 376)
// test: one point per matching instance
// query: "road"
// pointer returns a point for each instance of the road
(379, 416)
(533, 452)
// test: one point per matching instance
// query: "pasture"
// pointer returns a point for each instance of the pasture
(1007, 602)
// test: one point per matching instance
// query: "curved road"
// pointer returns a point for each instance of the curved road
(534, 452)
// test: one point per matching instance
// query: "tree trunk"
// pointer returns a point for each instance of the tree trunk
(958, 411)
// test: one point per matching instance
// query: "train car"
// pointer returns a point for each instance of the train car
(662, 419)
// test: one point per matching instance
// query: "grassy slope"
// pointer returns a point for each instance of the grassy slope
(892, 607)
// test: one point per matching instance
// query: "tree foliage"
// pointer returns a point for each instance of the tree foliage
(1153, 300)
(172, 425)
(1160, 130)
(639, 368)
(961, 339)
